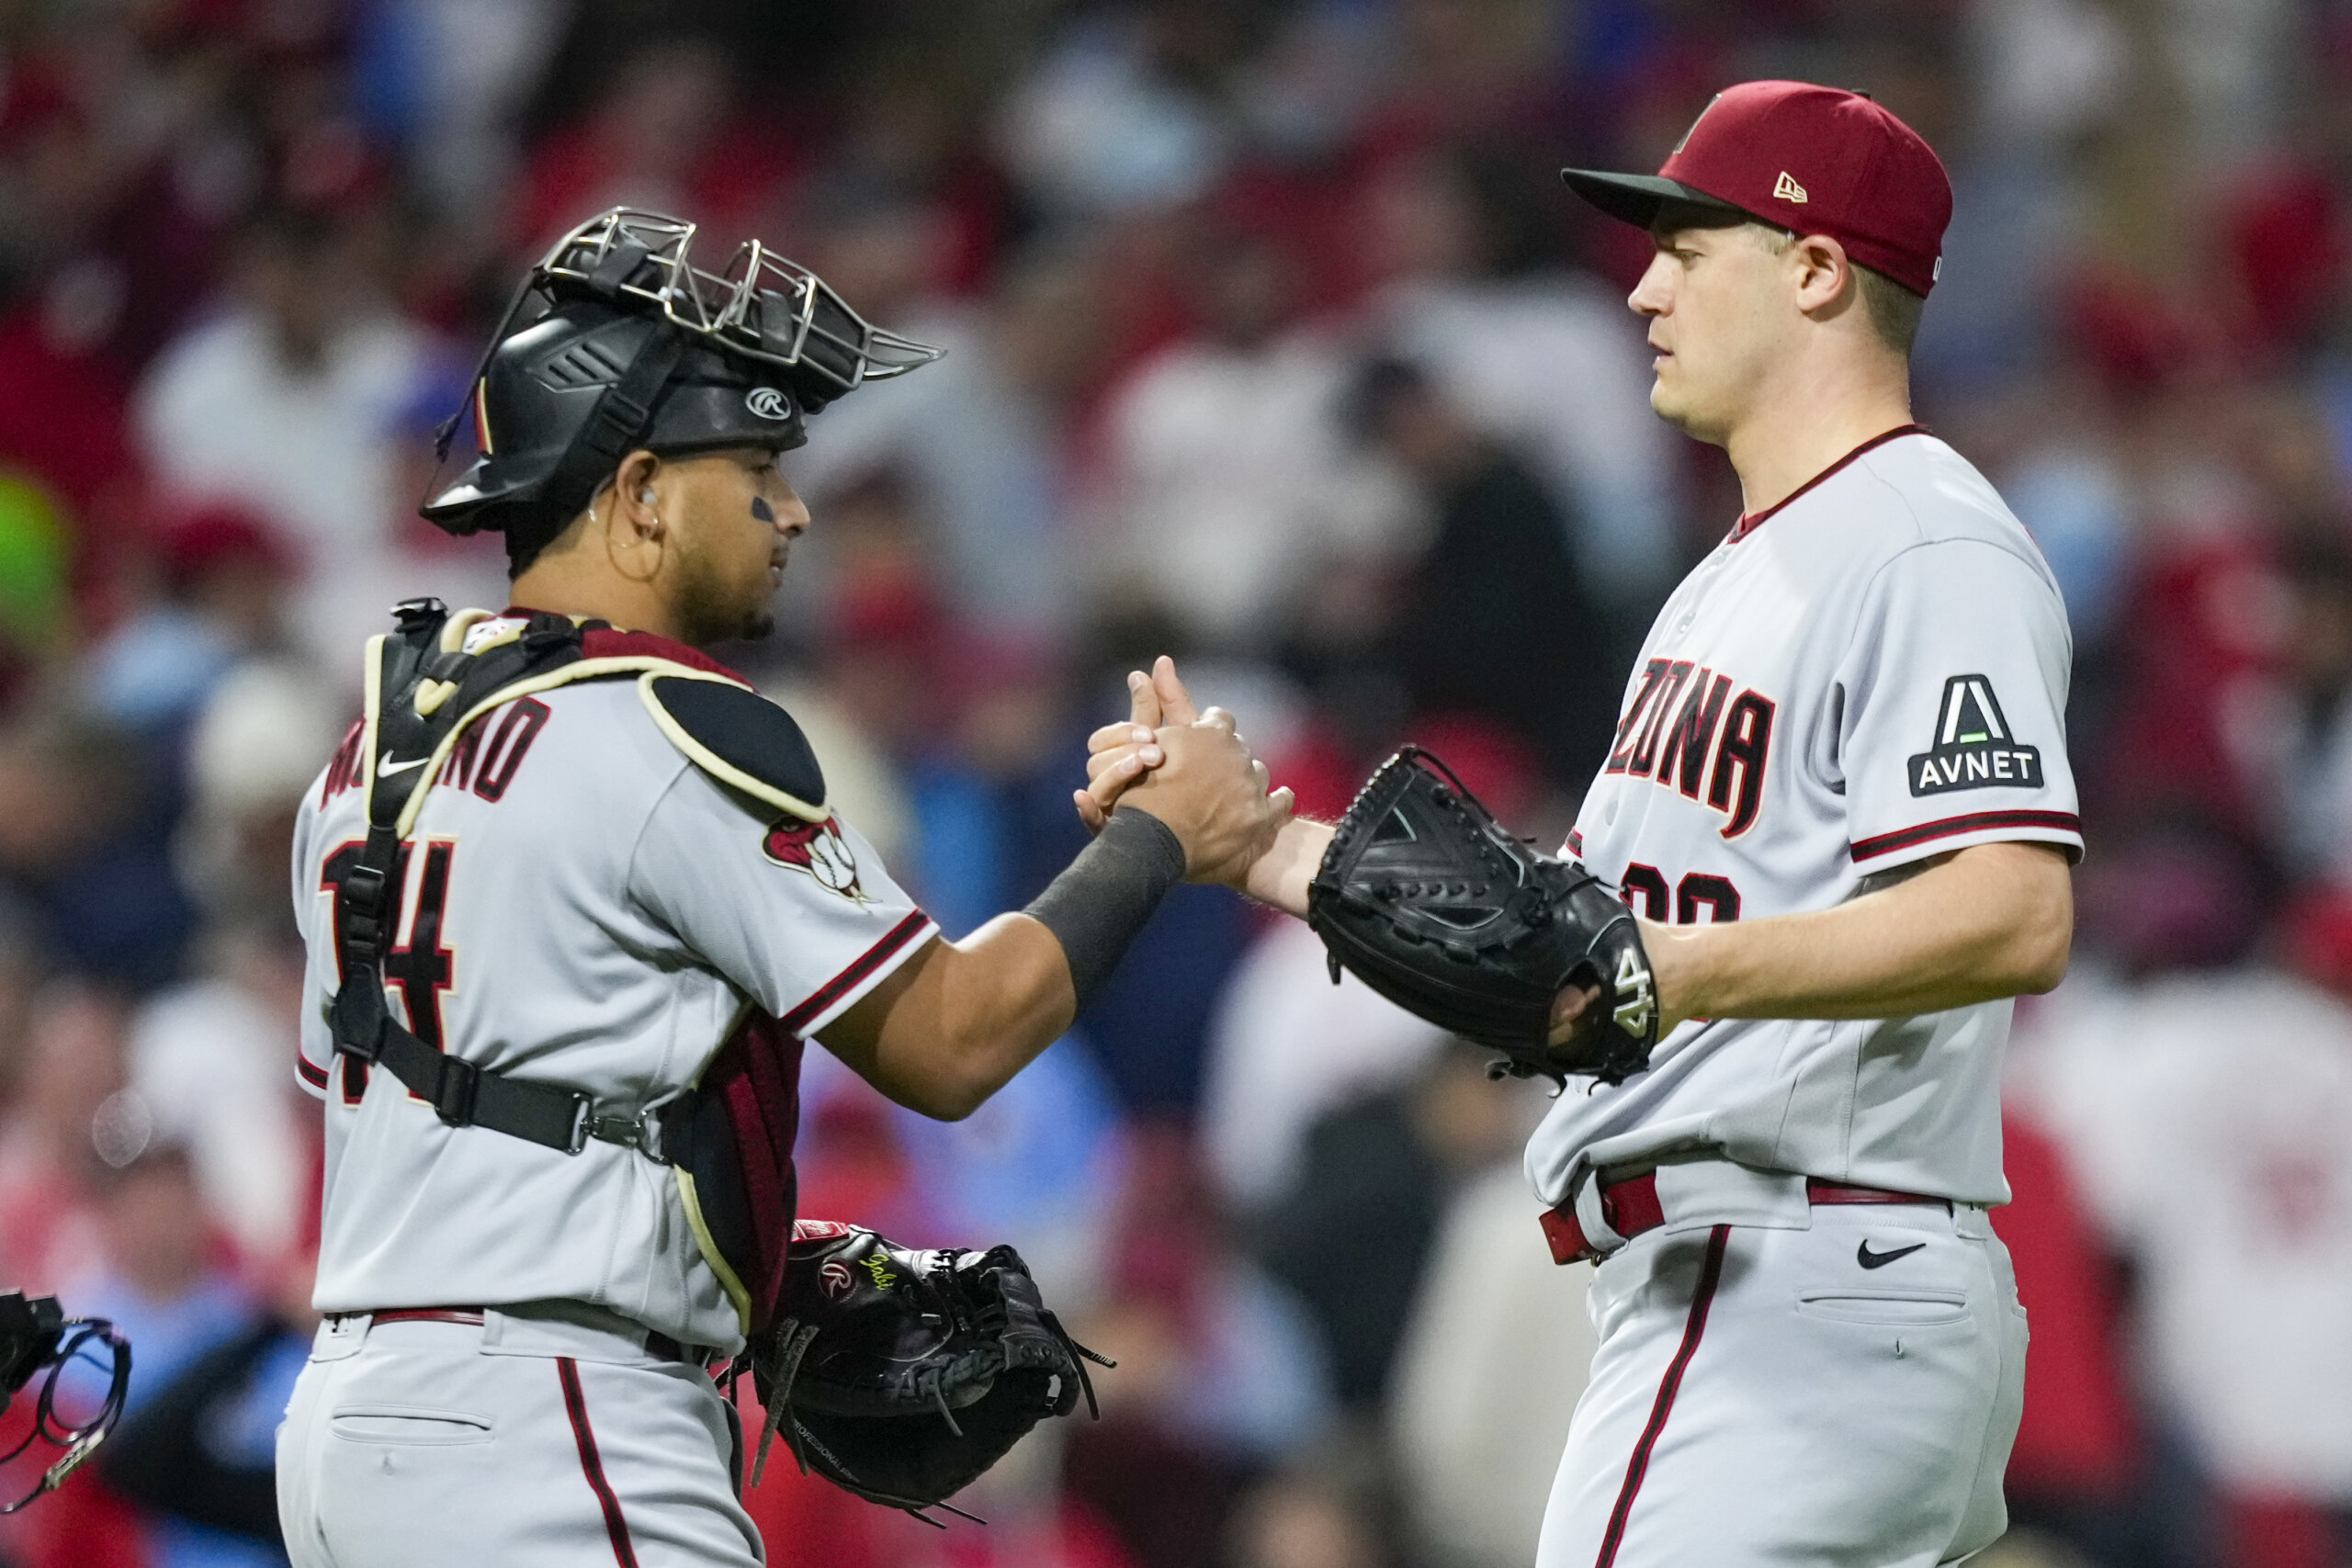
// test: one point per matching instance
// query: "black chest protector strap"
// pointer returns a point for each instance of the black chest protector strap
(423, 688)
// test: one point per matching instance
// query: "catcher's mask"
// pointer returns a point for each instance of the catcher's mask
(616, 341)
(70, 1413)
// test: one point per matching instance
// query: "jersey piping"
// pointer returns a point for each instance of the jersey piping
(1973, 822)
(1637, 1468)
(818, 1007)
(1750, 522)
(592, 1465)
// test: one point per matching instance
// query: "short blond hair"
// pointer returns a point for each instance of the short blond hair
(1893, 309)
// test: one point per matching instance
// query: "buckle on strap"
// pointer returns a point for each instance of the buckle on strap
(413, 615)
(358, 1031)
(617, 422)
(363, 892)
(653, 1132)
(454, 1089)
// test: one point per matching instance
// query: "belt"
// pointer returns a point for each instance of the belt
(421, 1315)
(656, 1342)
(1632, 1206)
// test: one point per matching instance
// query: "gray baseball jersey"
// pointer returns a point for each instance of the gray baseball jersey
(581, 905)
(1872, 673)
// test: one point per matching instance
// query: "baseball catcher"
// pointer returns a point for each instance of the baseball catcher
(577, 899)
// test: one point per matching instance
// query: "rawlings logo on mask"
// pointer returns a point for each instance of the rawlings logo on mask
(767, 402)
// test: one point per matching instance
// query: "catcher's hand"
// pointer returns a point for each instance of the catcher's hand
(1425, 897)
(1121, 755)
(901, 1374)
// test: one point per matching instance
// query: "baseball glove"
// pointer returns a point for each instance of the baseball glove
(1425, 898)
(902, 1375)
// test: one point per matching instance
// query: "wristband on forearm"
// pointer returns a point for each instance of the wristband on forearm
(1097, 906)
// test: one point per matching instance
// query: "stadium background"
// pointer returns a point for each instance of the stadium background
(1275, 344)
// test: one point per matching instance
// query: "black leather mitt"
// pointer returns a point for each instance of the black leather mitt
(1425, 898)
(901, 1375)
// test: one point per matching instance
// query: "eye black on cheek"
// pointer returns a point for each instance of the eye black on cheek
(763, 511)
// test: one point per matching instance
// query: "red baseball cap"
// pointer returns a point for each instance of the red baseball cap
(1812, 160)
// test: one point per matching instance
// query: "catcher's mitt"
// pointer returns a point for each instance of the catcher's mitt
(902, 1375)
(1426, 898)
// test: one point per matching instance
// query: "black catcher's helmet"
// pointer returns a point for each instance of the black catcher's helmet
(617, 341)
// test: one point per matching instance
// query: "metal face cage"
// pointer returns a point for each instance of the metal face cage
(761, 305)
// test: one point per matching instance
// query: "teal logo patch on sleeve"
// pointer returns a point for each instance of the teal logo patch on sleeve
(1972, 748)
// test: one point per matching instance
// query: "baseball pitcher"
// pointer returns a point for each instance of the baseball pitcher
(1772, 966)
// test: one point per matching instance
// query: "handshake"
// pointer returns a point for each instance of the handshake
(1417, 891)
(1193, 771)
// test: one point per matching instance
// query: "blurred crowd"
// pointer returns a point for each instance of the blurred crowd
(1274, 343)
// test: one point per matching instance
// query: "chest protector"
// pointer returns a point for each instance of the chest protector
(727, 1137)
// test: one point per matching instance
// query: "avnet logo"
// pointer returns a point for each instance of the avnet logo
(1972, 748)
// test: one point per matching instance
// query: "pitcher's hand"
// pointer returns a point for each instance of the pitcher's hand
(1119, 754)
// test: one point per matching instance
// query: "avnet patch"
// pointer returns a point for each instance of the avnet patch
(1972, 748)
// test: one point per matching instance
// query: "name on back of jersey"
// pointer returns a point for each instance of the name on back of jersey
(1972, 748)
(1685, 731)
(483, 761)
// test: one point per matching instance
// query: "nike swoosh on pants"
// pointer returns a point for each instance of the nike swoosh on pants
(1869, 1259)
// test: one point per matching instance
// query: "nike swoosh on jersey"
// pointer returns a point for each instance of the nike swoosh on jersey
(388, 766)
(1869, 1259)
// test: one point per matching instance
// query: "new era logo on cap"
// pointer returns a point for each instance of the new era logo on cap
(1870, 183)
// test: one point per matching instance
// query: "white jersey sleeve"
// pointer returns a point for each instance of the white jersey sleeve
(314, 1059)
(801, 917)
(1949, 714)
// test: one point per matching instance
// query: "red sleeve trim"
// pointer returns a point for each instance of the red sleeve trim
(1575, 843)
(873, 958)
(315, 1076)
(576, 1406)
(1952, 826)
